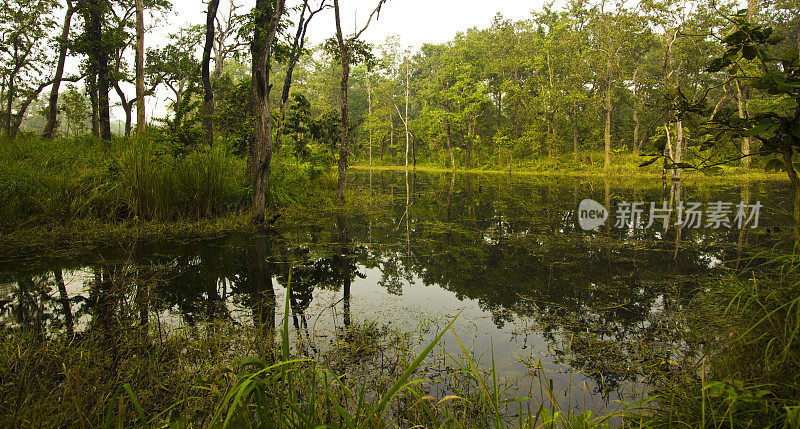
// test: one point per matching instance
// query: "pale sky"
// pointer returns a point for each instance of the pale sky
(414, 21)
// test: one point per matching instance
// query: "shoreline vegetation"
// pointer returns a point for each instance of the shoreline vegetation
(122, 372)
(81, 193)
(144, 380)
(261, 138)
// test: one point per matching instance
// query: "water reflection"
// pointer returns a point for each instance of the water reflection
(506, 251)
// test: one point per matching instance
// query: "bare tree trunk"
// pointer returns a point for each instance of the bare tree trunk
(369, 124)
(790, 171)
(636, 121)
(92, 89)
(141, 120)
(450, 148)
(296, 52)
(637, 124)
(405, 122)
(344, 110)
(743, 114)
(266, 25)
(9, 106)
(575, 131)
(99, 59)
(676, 172)
(208, 93)
(607, 109)
(63, 46)
(468, 142)
(127, 106)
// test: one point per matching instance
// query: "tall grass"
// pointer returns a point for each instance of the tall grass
(748, 325)
(156, 184)
(55, 181)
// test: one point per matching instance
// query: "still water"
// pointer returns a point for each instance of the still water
(595, 308)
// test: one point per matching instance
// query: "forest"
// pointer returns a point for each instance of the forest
(246, 221)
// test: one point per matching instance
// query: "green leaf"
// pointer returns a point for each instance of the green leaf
(135, 402)
(758, 129)
(718, 64)
(796, 130)
(774, 40)
(380, 407)
(749, 52)
(731, 52)
(734, 38)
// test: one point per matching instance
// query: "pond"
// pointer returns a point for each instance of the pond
(597, 309)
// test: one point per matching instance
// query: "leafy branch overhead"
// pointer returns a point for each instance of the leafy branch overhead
(749, 60)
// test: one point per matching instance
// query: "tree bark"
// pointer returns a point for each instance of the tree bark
(574, 118)
(344, 110)
(63, 46)
(405, 122)
(99, 58)
(369, 123)
(636, 121)
(266, 25)
(743, 114)
(91, 88)
(127, 106)
(676, 172)
(141, 121)
(450, 148)
(607, 109)
(208, 93)
(297, 51)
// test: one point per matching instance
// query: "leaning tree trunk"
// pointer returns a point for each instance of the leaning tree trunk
(795, 182)
(127, 106)
(63, 46)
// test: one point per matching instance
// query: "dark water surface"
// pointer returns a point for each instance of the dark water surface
(594, 307)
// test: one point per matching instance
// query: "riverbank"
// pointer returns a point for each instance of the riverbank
(625, 166)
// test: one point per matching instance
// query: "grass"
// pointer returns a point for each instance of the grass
(118, 373)
(45, 182)
(625, 166)
(749, 372)
(77, 194)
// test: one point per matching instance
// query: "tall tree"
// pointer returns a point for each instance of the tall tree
(98, 51)
(293, 55)
(140, 91)
(345, 50)
(63, 48)
(267, 16)
(24, 26)
(208, 93)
